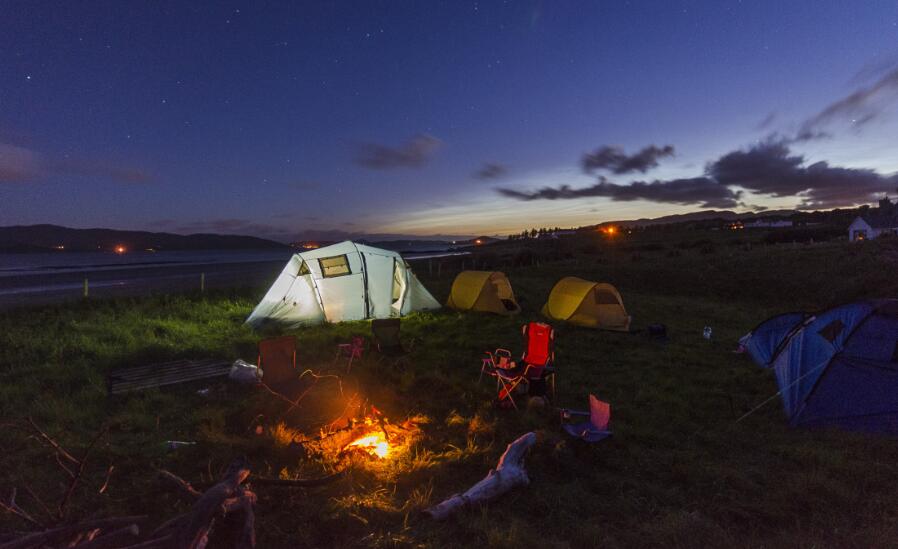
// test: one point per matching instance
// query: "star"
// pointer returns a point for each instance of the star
(28, 77)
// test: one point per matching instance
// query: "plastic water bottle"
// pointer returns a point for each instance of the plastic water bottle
(706, 333)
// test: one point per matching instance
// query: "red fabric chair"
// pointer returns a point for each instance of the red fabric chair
(277, 358)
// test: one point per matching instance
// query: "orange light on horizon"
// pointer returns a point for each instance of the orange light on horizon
(478, 242)
(119, 249)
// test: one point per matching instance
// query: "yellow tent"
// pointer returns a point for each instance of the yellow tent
(487, 291)
(586, 303)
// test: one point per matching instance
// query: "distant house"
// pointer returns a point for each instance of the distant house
(875, 223)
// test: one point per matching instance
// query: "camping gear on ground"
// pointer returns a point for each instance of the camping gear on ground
(385, 332)
(277, 357)
(351, 350)
(345, 281)
(595, 428)
(245, 373)
(834, 368)
(137, 378)
(487, 291)
(587, 303)
(535, 367)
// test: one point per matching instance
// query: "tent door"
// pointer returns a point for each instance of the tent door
(400, 285)
(365, 286)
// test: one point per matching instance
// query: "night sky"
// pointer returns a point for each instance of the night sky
(455, 118)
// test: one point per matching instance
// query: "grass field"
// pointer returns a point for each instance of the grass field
(679, 472)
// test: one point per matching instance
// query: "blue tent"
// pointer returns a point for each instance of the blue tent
(835, 368)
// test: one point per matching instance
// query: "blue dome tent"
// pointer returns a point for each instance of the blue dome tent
(835, 368)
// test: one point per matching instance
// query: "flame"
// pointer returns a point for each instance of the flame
(375, 444)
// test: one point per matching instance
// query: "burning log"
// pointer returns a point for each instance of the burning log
(508, 474)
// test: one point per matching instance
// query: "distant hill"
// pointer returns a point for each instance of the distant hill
(703, 215)
(35, 238)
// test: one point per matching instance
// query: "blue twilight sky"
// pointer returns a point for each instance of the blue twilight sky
(449, 118)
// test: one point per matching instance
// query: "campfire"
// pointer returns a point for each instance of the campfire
(375, 444)
(371, 436)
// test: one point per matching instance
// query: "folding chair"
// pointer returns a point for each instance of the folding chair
(277, 358)
(385, 332)
(500, 359)
(536, 364)
(539, 353)
(597, 426)
(351, 350)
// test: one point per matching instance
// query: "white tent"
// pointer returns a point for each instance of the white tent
(345, 281)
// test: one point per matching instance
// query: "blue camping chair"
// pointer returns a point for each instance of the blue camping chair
(595, 428)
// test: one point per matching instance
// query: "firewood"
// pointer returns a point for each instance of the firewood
(196, 531)
(508, 474)
(56, 535)
(113, 539)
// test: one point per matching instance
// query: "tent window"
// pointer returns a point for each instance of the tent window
(304, 269)
(604, 297)
(334, 266)
(832, 330)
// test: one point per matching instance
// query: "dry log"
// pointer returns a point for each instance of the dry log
(508, 474)
(116, 538)
(56, 535)
(13, 507)
(187, 492)
(196, 531)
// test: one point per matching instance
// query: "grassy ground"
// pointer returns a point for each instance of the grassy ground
(678, 472)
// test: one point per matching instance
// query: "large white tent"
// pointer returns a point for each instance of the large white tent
(345, 281)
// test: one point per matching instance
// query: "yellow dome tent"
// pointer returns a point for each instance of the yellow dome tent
(487, 291)
(587, 303)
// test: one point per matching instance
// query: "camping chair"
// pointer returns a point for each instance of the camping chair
(539, 353)
(500, 359)
(277, 358)
(536, 364)
(595, 428)
(351, 350)
(386, 339)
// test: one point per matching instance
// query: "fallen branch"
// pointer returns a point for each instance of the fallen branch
(508, 474)
(185, 490)
(57, 535)
(81, 464)
(52, 442)
(196, 531)
(113, 539)
(13, 507)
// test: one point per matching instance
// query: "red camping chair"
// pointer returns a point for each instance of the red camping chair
(536, 364)
(277, 358)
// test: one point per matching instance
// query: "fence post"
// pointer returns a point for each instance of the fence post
(85, 288)
(202, 282)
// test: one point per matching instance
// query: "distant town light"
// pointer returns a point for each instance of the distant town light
(59, 247)
(120, 249)
(478, 242)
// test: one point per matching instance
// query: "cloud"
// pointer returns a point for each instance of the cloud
(615, 160)
(491, 170)
(413, 154)
(767, 168)
(696, 190)
(21, 165)
(861, 106)
(770, 168)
